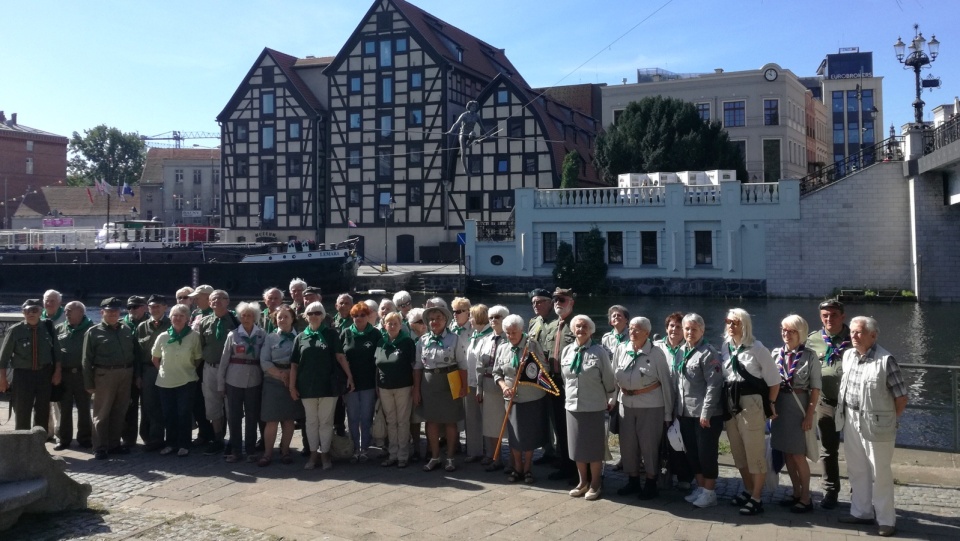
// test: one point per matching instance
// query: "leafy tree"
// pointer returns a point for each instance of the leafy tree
(590, 274)
(108, 154)
(570, 170)
(565, 268)
(665, 134)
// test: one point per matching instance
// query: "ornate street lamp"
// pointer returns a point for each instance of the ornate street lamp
(387, 204)
(916, 60)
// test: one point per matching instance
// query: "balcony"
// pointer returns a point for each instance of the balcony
(600, 197)
(495, 231)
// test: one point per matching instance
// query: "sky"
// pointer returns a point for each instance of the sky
(155, 67)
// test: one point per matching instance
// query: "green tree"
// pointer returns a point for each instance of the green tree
(589, 274)
(571, 170)
(108, 154)
(665, 134)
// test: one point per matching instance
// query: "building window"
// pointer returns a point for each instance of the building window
(474, 202)
(648, 248)
(415, 155)
(294, 204)
(369, 48)
(703, 247)
(402, 45)
(197, 202)
(243, 209)
(771, 112)
(515, 127)
(503, 97)
(268, 174)
(216, 204)
(29, 166)
(384, 163)
(616, 115)
(353, 157)
(501, 200)
(354, 121)
(386, 94)
(415, 194)
(615, 247)
(29, 146)
(269, 206)
(703, 109)
(503, 164)
(549, 247)
(267, 103)
(243, 166)
(529, 164)
(178, 176)
(771, 160)
(416, 79)
(384, 21)
(267, 74)
(178, 201)
(216, 176)
(356, 86)
(295, 165)
(459, 55)
(416, 117)
(197, 176)
(293, 129)
(240, 131)
(476, 164)
(266, 138)
(734, 114)
(386, 127)
(386, 54)
(354, 195)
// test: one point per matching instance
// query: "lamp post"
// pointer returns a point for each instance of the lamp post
(916, 60)
(387, 204)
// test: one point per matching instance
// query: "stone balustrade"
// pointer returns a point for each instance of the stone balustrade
(601, 197)
(701, 195)
(760, 193)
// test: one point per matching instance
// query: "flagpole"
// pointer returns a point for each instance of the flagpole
(506, 415)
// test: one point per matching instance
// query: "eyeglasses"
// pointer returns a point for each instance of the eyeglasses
(789, 331)
(539, 301)
(496, 317)
(183, 298)
(403, 304)
(458, 312)
(733, 322)
(560, 300)
(420, 322)
(318, 314)
(31, 310)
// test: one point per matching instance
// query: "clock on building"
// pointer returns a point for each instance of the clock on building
(770, 74)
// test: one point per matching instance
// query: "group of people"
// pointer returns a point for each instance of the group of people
(545, 383)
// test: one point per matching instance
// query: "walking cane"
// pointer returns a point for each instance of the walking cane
(506, 416)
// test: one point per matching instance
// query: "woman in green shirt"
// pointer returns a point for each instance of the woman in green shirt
(395, 359)
(360, 341)
(176, 353)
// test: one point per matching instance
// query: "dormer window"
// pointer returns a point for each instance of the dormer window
(459, 55)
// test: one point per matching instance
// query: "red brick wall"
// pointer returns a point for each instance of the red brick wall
(49, 164)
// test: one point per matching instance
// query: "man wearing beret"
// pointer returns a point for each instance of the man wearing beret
(110, 355)
(543, 315)
(31, 349)
(151, 417)
(136, 314)
(557, 336)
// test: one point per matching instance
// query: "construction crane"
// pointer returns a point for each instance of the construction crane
(177, 137)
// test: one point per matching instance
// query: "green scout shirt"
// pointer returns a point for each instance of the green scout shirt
(832, 374)
(71, 343)
(360, 349)
(30, 348)
(342, 322)
(395, 362)
(104, 346)
(266, 323)
(212, 342)
(548, 340)
(316, 362)
(133, 324)
(147, 333)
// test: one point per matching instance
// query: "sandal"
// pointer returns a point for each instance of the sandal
(528, 478)
(741, 499)
(513, 477)
(264, 461)
(752, 507)
(451, 466)
(801, 507)
(286, 459)
(431, 464)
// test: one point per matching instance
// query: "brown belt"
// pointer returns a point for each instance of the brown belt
(235, 360)
(442, 370)
(647, 389)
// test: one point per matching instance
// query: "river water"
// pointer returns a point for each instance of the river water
(914, 333)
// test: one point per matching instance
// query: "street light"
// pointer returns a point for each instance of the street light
(387, 204)
(916, 60)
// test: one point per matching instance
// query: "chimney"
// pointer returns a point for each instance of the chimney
(718, 71)
(3, 117)
(13, 119)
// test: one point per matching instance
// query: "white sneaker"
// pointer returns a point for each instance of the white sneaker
(694, 494)
(707, 498)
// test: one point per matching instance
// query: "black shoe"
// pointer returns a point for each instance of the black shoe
(829, 501)
(120, 450)
(633, 486)
(545, 459)
(100, 454)
(650, 490)
(61, 446)
(415, 456)
(213, 448)
(789, 502)
(802, 507)
(340, 431)
(200, 442)
(85, 444)
(228, 449)
(741, 499)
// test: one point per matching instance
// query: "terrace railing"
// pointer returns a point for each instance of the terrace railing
(888, 150)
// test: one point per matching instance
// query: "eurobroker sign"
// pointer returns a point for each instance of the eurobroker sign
(857, 75)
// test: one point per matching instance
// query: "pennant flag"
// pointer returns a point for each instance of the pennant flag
(533, 373)
(351, 224)
(127, 190)
(90, 195)
(101, 186)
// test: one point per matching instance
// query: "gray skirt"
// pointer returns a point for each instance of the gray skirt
(494, 408)
(587, 435)
(528, 425)
(786, 431)
(437, 405)
(276, 404)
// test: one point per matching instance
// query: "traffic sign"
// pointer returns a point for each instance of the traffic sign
(462, 239)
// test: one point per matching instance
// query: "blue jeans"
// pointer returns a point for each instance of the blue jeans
(177, 403)
(360, 407)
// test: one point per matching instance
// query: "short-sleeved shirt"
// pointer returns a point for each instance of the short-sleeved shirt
(504, 370)
(894, 379)
(360, 347)
(316, 360)
(831, 359)
(178, 360)
(641, 369)
(806, 370)
(755, 360)
(395, 360)
(445, 354)
(276, 351)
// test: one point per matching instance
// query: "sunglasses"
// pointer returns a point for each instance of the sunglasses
(319, 314)
(458, 312)
(420, 322)
(560, 300)
(403, 305)
(496, 317)
(732, 322)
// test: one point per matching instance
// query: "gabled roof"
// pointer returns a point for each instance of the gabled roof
(10, 127)
(153, 165)
(73, 201)
(286, 64)
(313, 61)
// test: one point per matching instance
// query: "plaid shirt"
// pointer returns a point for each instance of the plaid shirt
(855, 377)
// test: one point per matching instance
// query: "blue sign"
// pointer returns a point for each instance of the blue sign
(461, 239)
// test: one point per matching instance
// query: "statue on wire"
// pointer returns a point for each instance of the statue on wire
(467, 121)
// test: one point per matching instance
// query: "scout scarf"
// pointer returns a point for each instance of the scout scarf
(673, 350)
(174, 336)
(251, 342)
(45, 315)
(82, 326)
(622, 337)
(681, 365)
(310, 333)
(834, 352)
(268, 324)
(286, 336)
(357, 333)
(577, 365)
(435, 340)
(456, 329)
(480, 334)
(633, 356)
(788, 364)
(218, 329)
(390, 345)
(515, 362)
(735, 354)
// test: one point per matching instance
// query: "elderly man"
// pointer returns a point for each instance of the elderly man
(272, 299)
(296, 288)
(53, 311)
(871, 399)
(543, 315)
(70, 335)
(556, 336)
(31, 349)
(201, 303)
(136, 314)
(829, 343)
(110, 353)
(151, 418)
(213, 330)
(342, 318)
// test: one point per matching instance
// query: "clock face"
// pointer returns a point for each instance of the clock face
(770, 74)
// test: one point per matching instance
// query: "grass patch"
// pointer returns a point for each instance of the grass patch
(724, 447)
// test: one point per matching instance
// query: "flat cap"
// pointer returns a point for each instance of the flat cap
(540, 292)
(157, 299)
(560, 292)
(111, 303)
(202, 290)
(136, 300)
(832, 304)
(312, 289)
(31, 303)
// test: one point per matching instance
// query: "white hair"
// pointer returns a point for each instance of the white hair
(401, 297)
(695, 319)
(642, 322)
(590, 324)
(414, 315)
(868, 323)
(513, 321)
(299, 282)
(347, 296)
(248, 307)
(316, 306)
(746, 325)
(75, 304)
(181, 308)
(387, 303)
(797, 323)
(374, 307)
(498, 310)
(53, 293)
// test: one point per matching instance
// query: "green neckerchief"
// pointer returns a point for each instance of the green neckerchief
(310, 333)
(357, 333)
(734, 355)
(251, 342)
(481, 334)
(390, 345)
(622, 337)
(286, 336)
(268, 324)
(218, 329)
(688, 352)
(577, 365)
(435, 340)
(457, 329)
(673, 350)
(516, 354)
(174, 336)
(44, 315)
(129, 322)
(633, 356)
(340, 321)
(82, 326)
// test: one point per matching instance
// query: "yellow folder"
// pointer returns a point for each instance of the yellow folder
(453, 378)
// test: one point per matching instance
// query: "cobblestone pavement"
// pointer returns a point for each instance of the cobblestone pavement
(148, 497)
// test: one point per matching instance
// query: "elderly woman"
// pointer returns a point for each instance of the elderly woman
(528, 415)
(590, 390)
(617, 317)
(752, 380)
(278, 408)
(239, 376)
(385, 307)
(360, 342)
(374, 318)
(800, 384)
(176, 354)
(646, 403)
(417, 328)
(473, 402)
(404, 303)
(440, 364)
(314, 380)
(493, 409)
(395, 357)
(698, 375)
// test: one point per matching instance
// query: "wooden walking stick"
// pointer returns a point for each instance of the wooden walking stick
(506, 416)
